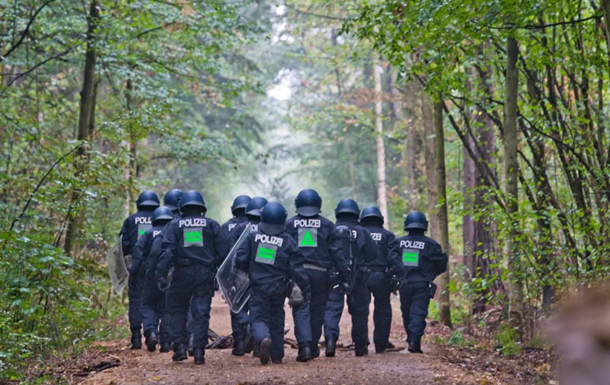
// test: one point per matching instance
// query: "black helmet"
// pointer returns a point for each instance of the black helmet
(255, 205)
(163, 213)
(148, 198)
(416, 220)
(192, 198)
(273, 218)
(172, 199)
(347, 206)
(371, 213)
(240, 202)
(308, 203)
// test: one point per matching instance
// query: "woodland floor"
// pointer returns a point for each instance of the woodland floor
(440, 364)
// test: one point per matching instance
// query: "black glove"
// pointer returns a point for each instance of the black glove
(162, 284)
(307, 296)
(395, 284)
(216, 285)
(345, 287)
(433, 288)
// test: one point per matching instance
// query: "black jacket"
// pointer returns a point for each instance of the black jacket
(363, 248)
(195, 237)
(232, 223)
(271, 258)
(422, 258)
(388, 254)
(318, 241)
(142, 250)
(136, 225)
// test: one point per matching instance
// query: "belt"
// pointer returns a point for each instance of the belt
(381, 269)
(314, 267)
(184, 262)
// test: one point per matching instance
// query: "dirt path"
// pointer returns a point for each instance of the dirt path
(142, 367)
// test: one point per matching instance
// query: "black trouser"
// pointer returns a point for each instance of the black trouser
(309, 316)
(379, 286)
(267, 317)
(358, 302)
(154, 310)
(134, 293)
(239, 323)
(194, 281)
(414, 302)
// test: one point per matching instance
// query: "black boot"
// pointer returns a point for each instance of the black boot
(362, 350)
(136, 341)
(151, 341)
(198, 356)
(277, 362)
(179, 353)
(190, 345)
(415, 347)
(380, 348)
(304, 353)
(239, 348)
(256, 351)
(165, 347)
(315, 350)
(265, 350)
(331, 346)
(249, 347)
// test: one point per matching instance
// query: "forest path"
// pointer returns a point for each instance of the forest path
(142, 367)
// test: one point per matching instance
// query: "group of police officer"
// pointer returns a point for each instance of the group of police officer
(173, 253)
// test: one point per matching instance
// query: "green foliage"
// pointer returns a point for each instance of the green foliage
(506, 341)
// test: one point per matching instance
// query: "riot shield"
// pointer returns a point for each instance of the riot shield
(119, 276)
(234, 284)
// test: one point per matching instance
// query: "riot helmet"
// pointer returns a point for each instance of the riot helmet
(192, 199)
(347, 207)
(147, 199)
(239, 204)
(161, 215)
(371, 214)
(308, 203)
(172, 199)
(273, 218)
(255, 205)
(416, 221)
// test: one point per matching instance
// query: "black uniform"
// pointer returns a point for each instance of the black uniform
(423, 260)
(382, 268)
(196, 246)
(146, 255)
(317, 240)
(363, 251)
(134, 227)
(270, 262)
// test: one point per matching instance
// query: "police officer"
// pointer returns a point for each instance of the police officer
(315, 236)
(242, 340)
(423, 260)
(238, 209)
(153, 300)
(196, 246)
(253, 218)
(271, 257)
(239, 321)
(359, 250)
(136, 225)
(383, 269)
(172, 200)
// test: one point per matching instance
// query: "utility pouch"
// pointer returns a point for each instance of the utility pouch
(433, 288)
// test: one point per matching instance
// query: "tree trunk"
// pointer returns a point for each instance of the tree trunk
(85, 122)
(382, 201)
(511, 174)
(132, 172)
(444, 305)
(414, 144)
(429, 159)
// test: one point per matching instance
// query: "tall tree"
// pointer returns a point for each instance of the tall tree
(86, 120)
(511, 175)
(444, 304)
(382, 198)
